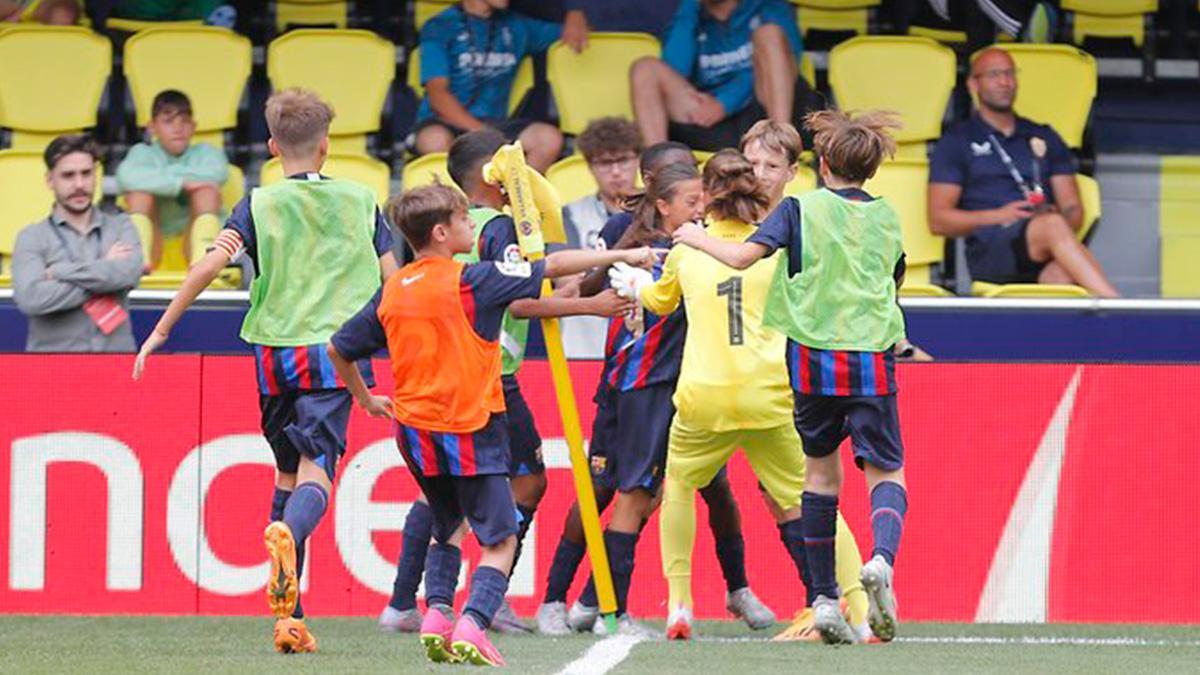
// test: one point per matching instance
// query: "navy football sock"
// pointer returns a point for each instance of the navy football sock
(621, 549)
(731, 553)
(418, 527)
(889, 503)
(819, 522)
(567, 558)
(522, 529)
(304, 509)
(588, 597)
(791, 534)
(278, 502)
(441, 574)
(488, 586)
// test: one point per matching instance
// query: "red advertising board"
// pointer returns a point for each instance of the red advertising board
(1033, 490)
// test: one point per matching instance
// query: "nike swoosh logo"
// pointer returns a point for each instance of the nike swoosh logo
(408, 281)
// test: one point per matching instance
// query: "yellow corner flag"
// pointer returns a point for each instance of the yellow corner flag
(537, 209)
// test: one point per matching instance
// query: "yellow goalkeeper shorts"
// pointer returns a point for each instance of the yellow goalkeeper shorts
(694, 456)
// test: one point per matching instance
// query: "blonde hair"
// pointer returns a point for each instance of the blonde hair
(417, 211)
(734, 192)
(853, 147)
(779, 137)
(298, 119)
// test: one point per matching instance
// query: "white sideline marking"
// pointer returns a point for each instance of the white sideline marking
(1015, 640)
(602, 656)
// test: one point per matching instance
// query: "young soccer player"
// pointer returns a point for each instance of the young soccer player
(835, 299)
(295, 306)
(496, 240)
(173, 186)
(733, 389)
(608, 431)
(773, 149)
(441, 322)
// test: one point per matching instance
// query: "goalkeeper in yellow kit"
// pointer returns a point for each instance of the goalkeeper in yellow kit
(733, 390)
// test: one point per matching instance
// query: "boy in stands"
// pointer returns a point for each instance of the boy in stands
(835, 299)
(441, 322)
(295, 306)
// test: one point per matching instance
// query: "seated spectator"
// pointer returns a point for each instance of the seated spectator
(73, 270)
(981, 20)
(988, 182)
(211, 11)
(611, 146)
(726, 64)
(773, 149)
(172, 187)
(49, 12)
(469, 59)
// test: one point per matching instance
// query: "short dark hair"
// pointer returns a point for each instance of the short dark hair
(67, 145)
(609, 135)
(469, 153)
(417, 211)
(171, 101)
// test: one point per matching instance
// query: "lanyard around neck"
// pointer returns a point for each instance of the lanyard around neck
(1013, 171)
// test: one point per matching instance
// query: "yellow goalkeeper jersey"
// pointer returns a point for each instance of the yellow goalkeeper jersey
(734, 373)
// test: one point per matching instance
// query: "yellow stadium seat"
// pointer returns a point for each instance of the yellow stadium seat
(158, 59)
(424, 170)
(984, 289)
(912, 76)
(595, 82)
(1179, 226)
(24, 194)
(137, 26)
(310, 13)
(808, 70)
(1089, 198)
(350, 69)
(522, 83)
(424, 10)
(1057, 84)
(903, 184)
(572, 178)
(1109, 19)
(51, 81)
(839, 16)
(360, 168)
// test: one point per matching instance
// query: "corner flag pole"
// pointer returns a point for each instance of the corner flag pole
(509, 169)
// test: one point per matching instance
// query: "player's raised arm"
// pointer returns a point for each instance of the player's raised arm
(737, 254)
(566, 263)
(198, 279)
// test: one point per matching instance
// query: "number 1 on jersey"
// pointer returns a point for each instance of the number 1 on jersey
(733, 288)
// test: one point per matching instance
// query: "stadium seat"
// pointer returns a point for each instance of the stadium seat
(366, 170)
(424, 10)
(51, 81)
(1109, 19)
(836, 16)
(1089, 197)
(1179, 226)
(521, 84)
(903, 184)
(351, 69)
(1057, 86)
(423, 170)
(983, 289)
(572, 178)
(912, 76)
(158, 58)
(25, 196)
(310, 13)
(808, 70)
(595, 83)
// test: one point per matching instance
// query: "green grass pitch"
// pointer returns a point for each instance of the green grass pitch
(214, 645)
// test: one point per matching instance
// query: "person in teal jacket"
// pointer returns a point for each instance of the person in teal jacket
(725, 65)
